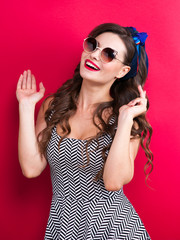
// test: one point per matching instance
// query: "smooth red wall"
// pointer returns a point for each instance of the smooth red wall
(46, 37)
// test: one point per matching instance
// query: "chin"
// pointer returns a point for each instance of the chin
(86, 74)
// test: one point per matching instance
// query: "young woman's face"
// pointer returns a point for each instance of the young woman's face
(107, 72)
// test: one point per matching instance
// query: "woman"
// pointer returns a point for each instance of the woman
(89, 132)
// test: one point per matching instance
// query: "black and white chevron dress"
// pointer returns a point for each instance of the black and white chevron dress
(81, 208)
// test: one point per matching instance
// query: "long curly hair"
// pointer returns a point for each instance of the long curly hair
(64, 102)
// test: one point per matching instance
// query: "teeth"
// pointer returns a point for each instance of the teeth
(91, 65)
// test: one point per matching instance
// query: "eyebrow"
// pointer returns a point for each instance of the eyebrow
(98, 43)
(107, 47)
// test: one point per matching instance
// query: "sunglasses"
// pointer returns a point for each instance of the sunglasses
(106, 54)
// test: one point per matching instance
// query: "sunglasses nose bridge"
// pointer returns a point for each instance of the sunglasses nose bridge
(100, 49)
(96, 53)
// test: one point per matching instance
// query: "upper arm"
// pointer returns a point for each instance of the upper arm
(133, 148)
(41, 124)
(134, 144)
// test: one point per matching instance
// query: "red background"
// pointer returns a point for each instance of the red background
(46, 37)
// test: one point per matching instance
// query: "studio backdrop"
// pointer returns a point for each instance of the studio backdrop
(46, 37)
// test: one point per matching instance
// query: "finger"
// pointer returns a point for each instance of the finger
(28, 79)
(24, 80)
(134, 102)
(140, 90)
(138, 110)
(33, 83)
(142, 93)
(41, 88)
(19, 84)
(142, 106)
(138, 100)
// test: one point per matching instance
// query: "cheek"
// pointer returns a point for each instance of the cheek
(111, 69)
(84, 55)
(82, 59)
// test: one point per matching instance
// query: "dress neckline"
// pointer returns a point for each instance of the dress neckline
(76, 139)
(70, 138)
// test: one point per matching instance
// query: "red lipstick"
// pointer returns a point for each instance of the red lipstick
(91, 66)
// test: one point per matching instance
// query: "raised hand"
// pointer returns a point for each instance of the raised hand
(135, 107)
(26, 88)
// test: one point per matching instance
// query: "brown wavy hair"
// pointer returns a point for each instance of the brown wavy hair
(64, 102)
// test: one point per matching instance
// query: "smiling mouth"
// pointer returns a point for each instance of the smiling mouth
(91, 66)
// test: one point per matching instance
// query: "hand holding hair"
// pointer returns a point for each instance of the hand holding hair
(135, 107)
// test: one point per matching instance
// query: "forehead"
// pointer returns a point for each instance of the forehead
(111, 40)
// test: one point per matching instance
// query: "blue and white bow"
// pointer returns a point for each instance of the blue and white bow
(139, 39)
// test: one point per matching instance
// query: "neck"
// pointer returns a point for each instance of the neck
(90, 95)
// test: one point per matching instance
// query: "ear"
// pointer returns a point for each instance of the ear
(124, 70)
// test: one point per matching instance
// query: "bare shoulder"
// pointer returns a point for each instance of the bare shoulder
(40, 122)
(46, 103)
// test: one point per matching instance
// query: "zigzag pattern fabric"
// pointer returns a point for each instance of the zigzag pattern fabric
(81, 208)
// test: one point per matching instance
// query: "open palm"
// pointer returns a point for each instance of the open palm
(26, 88)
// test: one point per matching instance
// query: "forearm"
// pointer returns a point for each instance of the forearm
(118, 169)
(29, 155)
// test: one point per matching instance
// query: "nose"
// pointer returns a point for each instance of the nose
(96, 54)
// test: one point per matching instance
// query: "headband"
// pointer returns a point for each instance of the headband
(139, 40)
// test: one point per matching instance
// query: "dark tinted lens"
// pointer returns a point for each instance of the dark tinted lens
(90, 44)
(107, 54)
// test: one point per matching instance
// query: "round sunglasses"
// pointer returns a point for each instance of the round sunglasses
(106, 54)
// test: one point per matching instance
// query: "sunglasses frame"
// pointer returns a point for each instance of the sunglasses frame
(101, 49)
